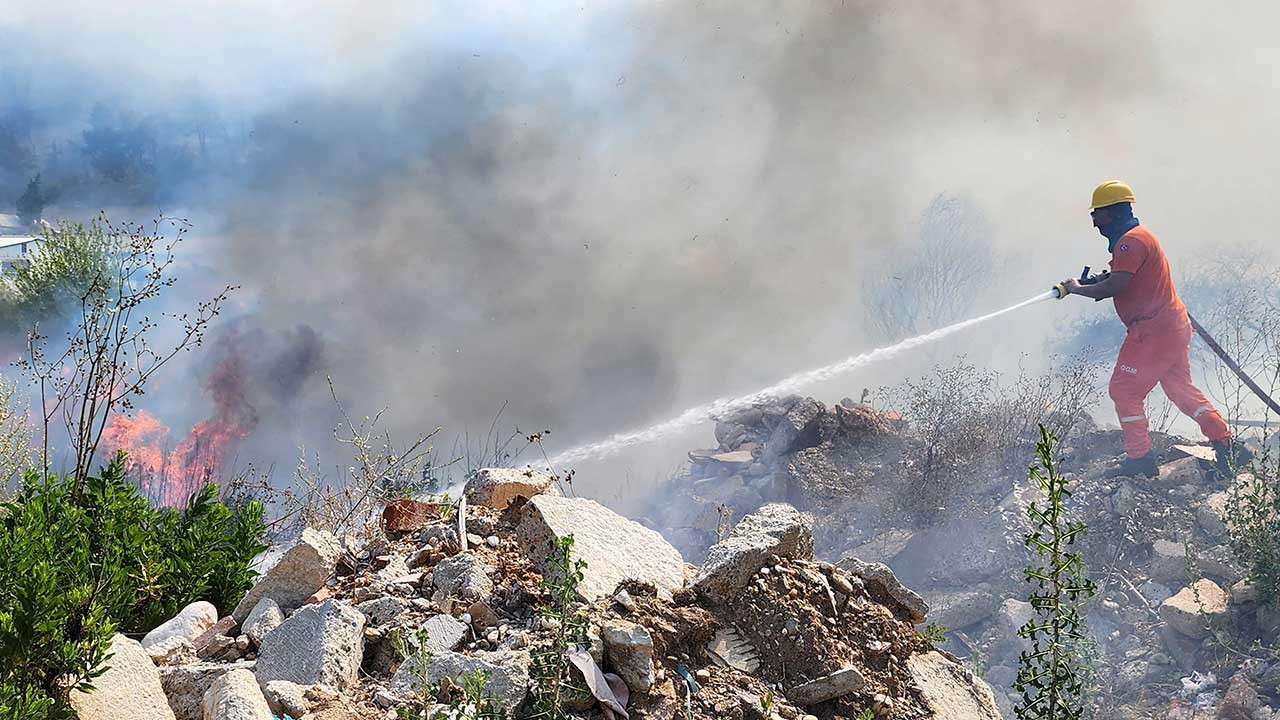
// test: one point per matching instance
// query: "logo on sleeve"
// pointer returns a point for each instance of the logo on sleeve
(1123, 247)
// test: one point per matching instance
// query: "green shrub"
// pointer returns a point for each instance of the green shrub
(1253, 509)
(75, 570)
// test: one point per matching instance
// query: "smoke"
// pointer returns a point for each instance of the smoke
(599, 215)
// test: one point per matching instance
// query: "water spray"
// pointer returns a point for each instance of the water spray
(724, 406)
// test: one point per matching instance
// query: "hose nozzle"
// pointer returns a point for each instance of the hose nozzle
(1061, 289)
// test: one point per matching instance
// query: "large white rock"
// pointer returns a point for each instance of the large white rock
(949, 691)
(614, 548)
(628, 647)
(301, 570)
(185, 685)
(129, 689)
(496, 487)
(188, 623)
(774, 529)
(318, 645)
(236, 696)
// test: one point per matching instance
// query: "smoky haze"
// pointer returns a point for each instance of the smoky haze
(599, 215)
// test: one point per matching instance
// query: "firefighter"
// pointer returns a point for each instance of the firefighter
(1157, 338)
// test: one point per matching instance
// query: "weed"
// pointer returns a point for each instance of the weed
(936, 634)
(550, 671)
(1051, 674)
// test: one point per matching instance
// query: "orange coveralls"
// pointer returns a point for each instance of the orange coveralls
(1156, 347)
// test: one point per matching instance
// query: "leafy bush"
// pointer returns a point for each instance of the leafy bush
(61, 269)
(75, 569)
(1253, 506)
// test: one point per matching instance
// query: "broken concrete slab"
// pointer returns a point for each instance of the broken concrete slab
(317, 645)
(959, 609)
(497, 487)
(130, 688)
(775, 529)
(301, 570)
(613, 547)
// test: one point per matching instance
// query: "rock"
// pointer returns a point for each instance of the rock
(444, 633)
(837, 684)
(1192, 610)
(286, 698)
(189, 623)
(734, 461)
(1211, 516)
(881, 581)
(958, 610)
(797, 429)
(1183, 471)
(497, 487)
(463, 575)
(409, 515)
(613, 547)
(1168, 561)
(1240, 701)
(185, 685)
(949, 691)
(222, 627)
(628, 648)
(508, 680)
(318, 645)
(129, 690)
(1182, 650)
(301, 570)
(1244, 593)
(775, 529)
(174, 651)
(262, 619)
(236, 696)
(382, 611)
(1154, 592)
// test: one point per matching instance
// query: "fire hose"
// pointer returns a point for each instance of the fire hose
(1091, 279)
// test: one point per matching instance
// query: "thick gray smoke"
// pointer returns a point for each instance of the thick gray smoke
(601, 214)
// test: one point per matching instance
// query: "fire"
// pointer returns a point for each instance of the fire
(173, 475)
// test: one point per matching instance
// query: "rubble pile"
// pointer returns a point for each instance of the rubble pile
(1176, 628)
(333, 628)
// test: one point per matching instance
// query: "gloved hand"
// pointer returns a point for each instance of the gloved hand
(1066, 287)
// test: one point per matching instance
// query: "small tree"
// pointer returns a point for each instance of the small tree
(1051, 676)
(32, 201)
(109, 355)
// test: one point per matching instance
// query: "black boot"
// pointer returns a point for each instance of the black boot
(1144, 466)
(1233, 456)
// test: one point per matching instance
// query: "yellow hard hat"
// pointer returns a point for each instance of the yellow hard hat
(1110, 193)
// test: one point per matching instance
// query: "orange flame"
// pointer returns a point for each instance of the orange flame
(198, 459)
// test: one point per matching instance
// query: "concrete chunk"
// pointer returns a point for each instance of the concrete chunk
(301, 570)
(949, 691)
(189, 623)
(879, 579)
(318, 645)
(1193, 609)
(496, 487)
(775, 529)
(614, 548)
